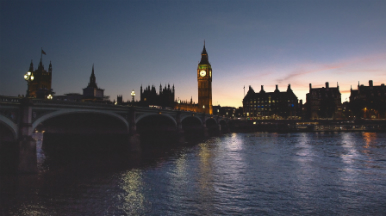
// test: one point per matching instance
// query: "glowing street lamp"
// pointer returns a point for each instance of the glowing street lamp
(49, 97)
(29, 76)
(132, 95)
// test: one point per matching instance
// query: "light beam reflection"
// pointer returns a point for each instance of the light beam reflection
(132, 198)
(348, 157)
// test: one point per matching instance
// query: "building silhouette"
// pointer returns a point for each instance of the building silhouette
(164, 98)
(92, 92)
(271, 105)
(323, 103)
(40, 86)
(368, 102)
(204, 79)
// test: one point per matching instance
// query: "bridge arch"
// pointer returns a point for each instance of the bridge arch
(72, 111)
(137, 119)
(210, 121)
(10, 125)
(190, 116)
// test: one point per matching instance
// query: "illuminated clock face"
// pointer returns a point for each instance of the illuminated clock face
(202, 73)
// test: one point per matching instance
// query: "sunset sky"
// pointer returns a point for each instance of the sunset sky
(134, 43)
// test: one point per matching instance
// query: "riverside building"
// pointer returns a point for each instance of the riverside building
(271, 105)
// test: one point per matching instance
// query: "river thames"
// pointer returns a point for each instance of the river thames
(232, 174)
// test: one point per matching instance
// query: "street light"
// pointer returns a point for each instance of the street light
(132, 96)
(49, 97)
(29, 76)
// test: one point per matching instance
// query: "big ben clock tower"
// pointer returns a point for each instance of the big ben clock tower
(204, 79)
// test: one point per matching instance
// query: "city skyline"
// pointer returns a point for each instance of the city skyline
(151, 43)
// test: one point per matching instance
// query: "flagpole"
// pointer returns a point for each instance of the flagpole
(41, 54)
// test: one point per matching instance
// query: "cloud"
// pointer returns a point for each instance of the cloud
(304, 70)
(359, 64)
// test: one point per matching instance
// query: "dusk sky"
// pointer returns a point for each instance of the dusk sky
(160, 42)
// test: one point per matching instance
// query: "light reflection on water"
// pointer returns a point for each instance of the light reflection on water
(233, 174)
(132, 198)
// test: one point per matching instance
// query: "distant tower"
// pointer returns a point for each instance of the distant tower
(92, 92)
(204, 79)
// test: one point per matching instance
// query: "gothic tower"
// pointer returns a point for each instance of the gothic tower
(40, 85)
(204, 79)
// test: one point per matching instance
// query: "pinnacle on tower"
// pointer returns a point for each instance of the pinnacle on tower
(92, 82)
(41, 66)
(31, 67)
(204, 50)
(204, 56)
(50, 68)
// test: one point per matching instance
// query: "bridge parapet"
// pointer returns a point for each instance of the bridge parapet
(7, 99)
(39, 110)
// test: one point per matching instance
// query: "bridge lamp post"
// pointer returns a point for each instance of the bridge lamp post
(132, 96)
(49, 97)
(29, 76)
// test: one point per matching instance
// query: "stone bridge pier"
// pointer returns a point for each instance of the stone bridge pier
(26, 144)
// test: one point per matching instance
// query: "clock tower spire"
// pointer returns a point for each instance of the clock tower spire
(204, 79)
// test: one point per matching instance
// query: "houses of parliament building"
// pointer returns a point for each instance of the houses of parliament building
(166, 96)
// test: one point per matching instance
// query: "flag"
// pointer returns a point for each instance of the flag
(44, 52)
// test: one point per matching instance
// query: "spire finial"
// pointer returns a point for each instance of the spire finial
(31, 66)
(204, 50)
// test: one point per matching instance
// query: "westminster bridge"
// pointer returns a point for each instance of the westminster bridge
(21, 117)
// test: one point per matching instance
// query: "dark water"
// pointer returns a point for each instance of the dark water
(233, 174)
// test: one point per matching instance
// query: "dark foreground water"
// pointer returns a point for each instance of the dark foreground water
(233, 174)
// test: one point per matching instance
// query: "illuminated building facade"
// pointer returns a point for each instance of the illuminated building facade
(324, 103)
(270, 105)
(204, 79)
(40, 86)
(368, 102)
(230, 112)
(186, 106)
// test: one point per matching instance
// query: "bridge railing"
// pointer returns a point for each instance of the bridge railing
(9, 99)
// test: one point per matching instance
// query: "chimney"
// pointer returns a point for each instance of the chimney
(262, 89)
(310, 87)
(277, 88)
(289, 87)
(370, 83)
(326, 84)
